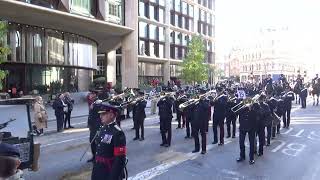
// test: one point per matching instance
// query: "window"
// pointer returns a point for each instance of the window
(162, 2)
(152, 12)
(161, 34)
(152, 49)
(143, 29)
(177, 5)
(152, 31)
(161, 50)
(184, 8)
(161, 15)
(172, 37)
(142, 9)
(37, 47)
(191, 10)
(81, 6)
(142, 47)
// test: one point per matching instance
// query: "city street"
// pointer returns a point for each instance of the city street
(293, 155)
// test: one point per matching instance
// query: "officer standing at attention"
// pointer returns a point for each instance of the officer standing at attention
(247, 122)
(200, 123)
(288, 97)
(165, 105)
(303, 96)
(139, 115)
(110, 158)
(219, 114)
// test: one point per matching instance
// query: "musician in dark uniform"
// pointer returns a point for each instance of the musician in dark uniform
(219, 114)
(279, 112)
(110, 158)
(180, 115)
(288, 97)
(200, 123)
(273, 103)
(264, 115)
(188, 111)
(231, 117)
(139, 115)
(94, 124)
(247, 121)
(303, 96)
(165, 112)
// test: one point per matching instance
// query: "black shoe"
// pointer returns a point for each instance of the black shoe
(187, 137)
(203, 152)
(90, 160)
(287, 127)
(66, 128)
(141, 139)
(228, 136)
(260, 154)
(278, 132)
(71, 127)
(240, 159)
(178, 127)
(195, 151)
(215, 142)
(251, 162)
(233, 136)
(135, 138)
(221, 144)
(166, 145)
(162, 144)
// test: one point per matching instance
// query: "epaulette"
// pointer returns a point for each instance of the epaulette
(117, 127)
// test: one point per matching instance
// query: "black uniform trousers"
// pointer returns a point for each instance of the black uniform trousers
(215, 131)
(275, 129)
(231, 120)
(269, 132)
(286, 117)
(188, 130)
(166, 130)
(261, 135)
(59, 117)
(242, 137)
(67, 116)
(180, 116)
(196, 129)
(139, 125)
(303, 102)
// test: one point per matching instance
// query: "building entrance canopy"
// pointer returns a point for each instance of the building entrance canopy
(106, 34)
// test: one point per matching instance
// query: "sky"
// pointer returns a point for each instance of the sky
(239, 21)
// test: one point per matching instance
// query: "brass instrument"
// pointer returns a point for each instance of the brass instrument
(245, 103)
(195, 100)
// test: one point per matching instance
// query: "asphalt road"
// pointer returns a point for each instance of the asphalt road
(293, 155)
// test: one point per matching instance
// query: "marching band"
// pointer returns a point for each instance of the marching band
(258, 112)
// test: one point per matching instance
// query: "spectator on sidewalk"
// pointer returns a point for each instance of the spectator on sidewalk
(40, 116)
(68, 109)
(58, 106)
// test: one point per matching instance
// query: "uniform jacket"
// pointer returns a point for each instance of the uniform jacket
(110, 157)
(220, 106)
(229, 113)
(304, 93)
(247, 119)
(138, 110)
(264, 116)
(288, 98)
(201, 114)
(180, 101)
(165, 108)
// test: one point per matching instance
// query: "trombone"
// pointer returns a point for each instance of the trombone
(245, 103)
(195, 100)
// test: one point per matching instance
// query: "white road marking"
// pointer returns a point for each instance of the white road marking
(282, 143)
(65, 141)
(162, 168)
(289, 130)
(293, 149)
(299, 133)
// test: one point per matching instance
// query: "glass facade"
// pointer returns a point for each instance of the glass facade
(82, 7)
(47, 60)
(36, 45)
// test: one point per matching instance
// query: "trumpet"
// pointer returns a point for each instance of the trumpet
(245, 103)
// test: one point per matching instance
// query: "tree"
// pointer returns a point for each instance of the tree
(193, 67)
(4, 50)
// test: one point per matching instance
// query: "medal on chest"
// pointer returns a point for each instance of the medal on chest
(107, 138)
